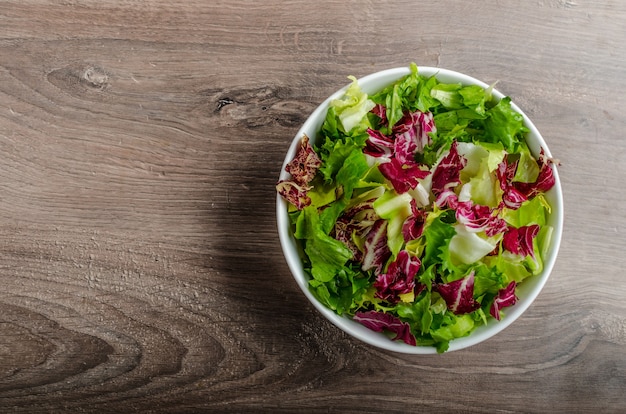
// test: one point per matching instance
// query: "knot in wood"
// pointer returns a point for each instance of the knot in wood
(95, 77)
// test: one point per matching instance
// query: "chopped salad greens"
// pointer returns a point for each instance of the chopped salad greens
(420, 208)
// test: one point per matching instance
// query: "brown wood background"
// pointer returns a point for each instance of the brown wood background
(140, 142)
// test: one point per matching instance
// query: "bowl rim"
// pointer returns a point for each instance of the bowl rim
(527, 292)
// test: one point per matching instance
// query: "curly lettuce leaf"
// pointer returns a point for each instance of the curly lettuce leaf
(505, 125)
(326, 254)
(437, 235)
(448, 94)
(418, 313)
(344, 292)
(533, 211)
(453, 326)
(335, 152)
(351, 109)
(411, 93)
(479, 177)
(474, 98)
(351, 172)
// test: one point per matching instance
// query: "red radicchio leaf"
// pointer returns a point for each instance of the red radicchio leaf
(404, 148)
(343, 232)
(403, 177)
(409, 135)
(378, 144)
(520, 240)
(511, 197)
(413, 131)
(399, 278)
(361, 216)
(478, 218)
(376, 249)
(302, 168)
(447, 198)
(305, 164)
(447, 176)
(413, 226)
(348, 223)
(380, 321)
(294, 193)
(459, 295)
(505, 297)
(545, 179)
(381, 112)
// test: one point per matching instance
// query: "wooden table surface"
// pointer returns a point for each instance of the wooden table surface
(140, 142)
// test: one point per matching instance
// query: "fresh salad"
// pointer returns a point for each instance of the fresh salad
(419, 208)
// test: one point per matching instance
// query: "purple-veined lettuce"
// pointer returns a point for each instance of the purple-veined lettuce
(302, 168)
(477, 218)
(505, 297)
(380, 321)
(357, 220)
(447, 177)
(544, 181)
(412, 135)
(399, 279)
(409, 137)
(413, 226)
(520, 240)
(305, 164)
(378, 145)
(403, 177)
(376, 250)
(295, 193)
(459, 295)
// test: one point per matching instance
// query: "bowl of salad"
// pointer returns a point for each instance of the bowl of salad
(419, 210)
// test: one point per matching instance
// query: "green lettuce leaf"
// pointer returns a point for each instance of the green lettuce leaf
(512, 268)
(326, 254)
(411, 93)
(352, 108)
(392, 204)
(448, 94)
(453, 326)
(527, 168)
(533, 211)
(474, 98)
(335, 152)
(395, 208)
(483, 187)
(343, 293)
(351, 172)
(488, 279)
(437, 235)
(418, 313)
(468, 247)
(505, 125)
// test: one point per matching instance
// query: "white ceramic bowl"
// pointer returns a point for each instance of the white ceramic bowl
(526, 291)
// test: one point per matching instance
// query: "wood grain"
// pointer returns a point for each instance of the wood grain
(140, 143)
